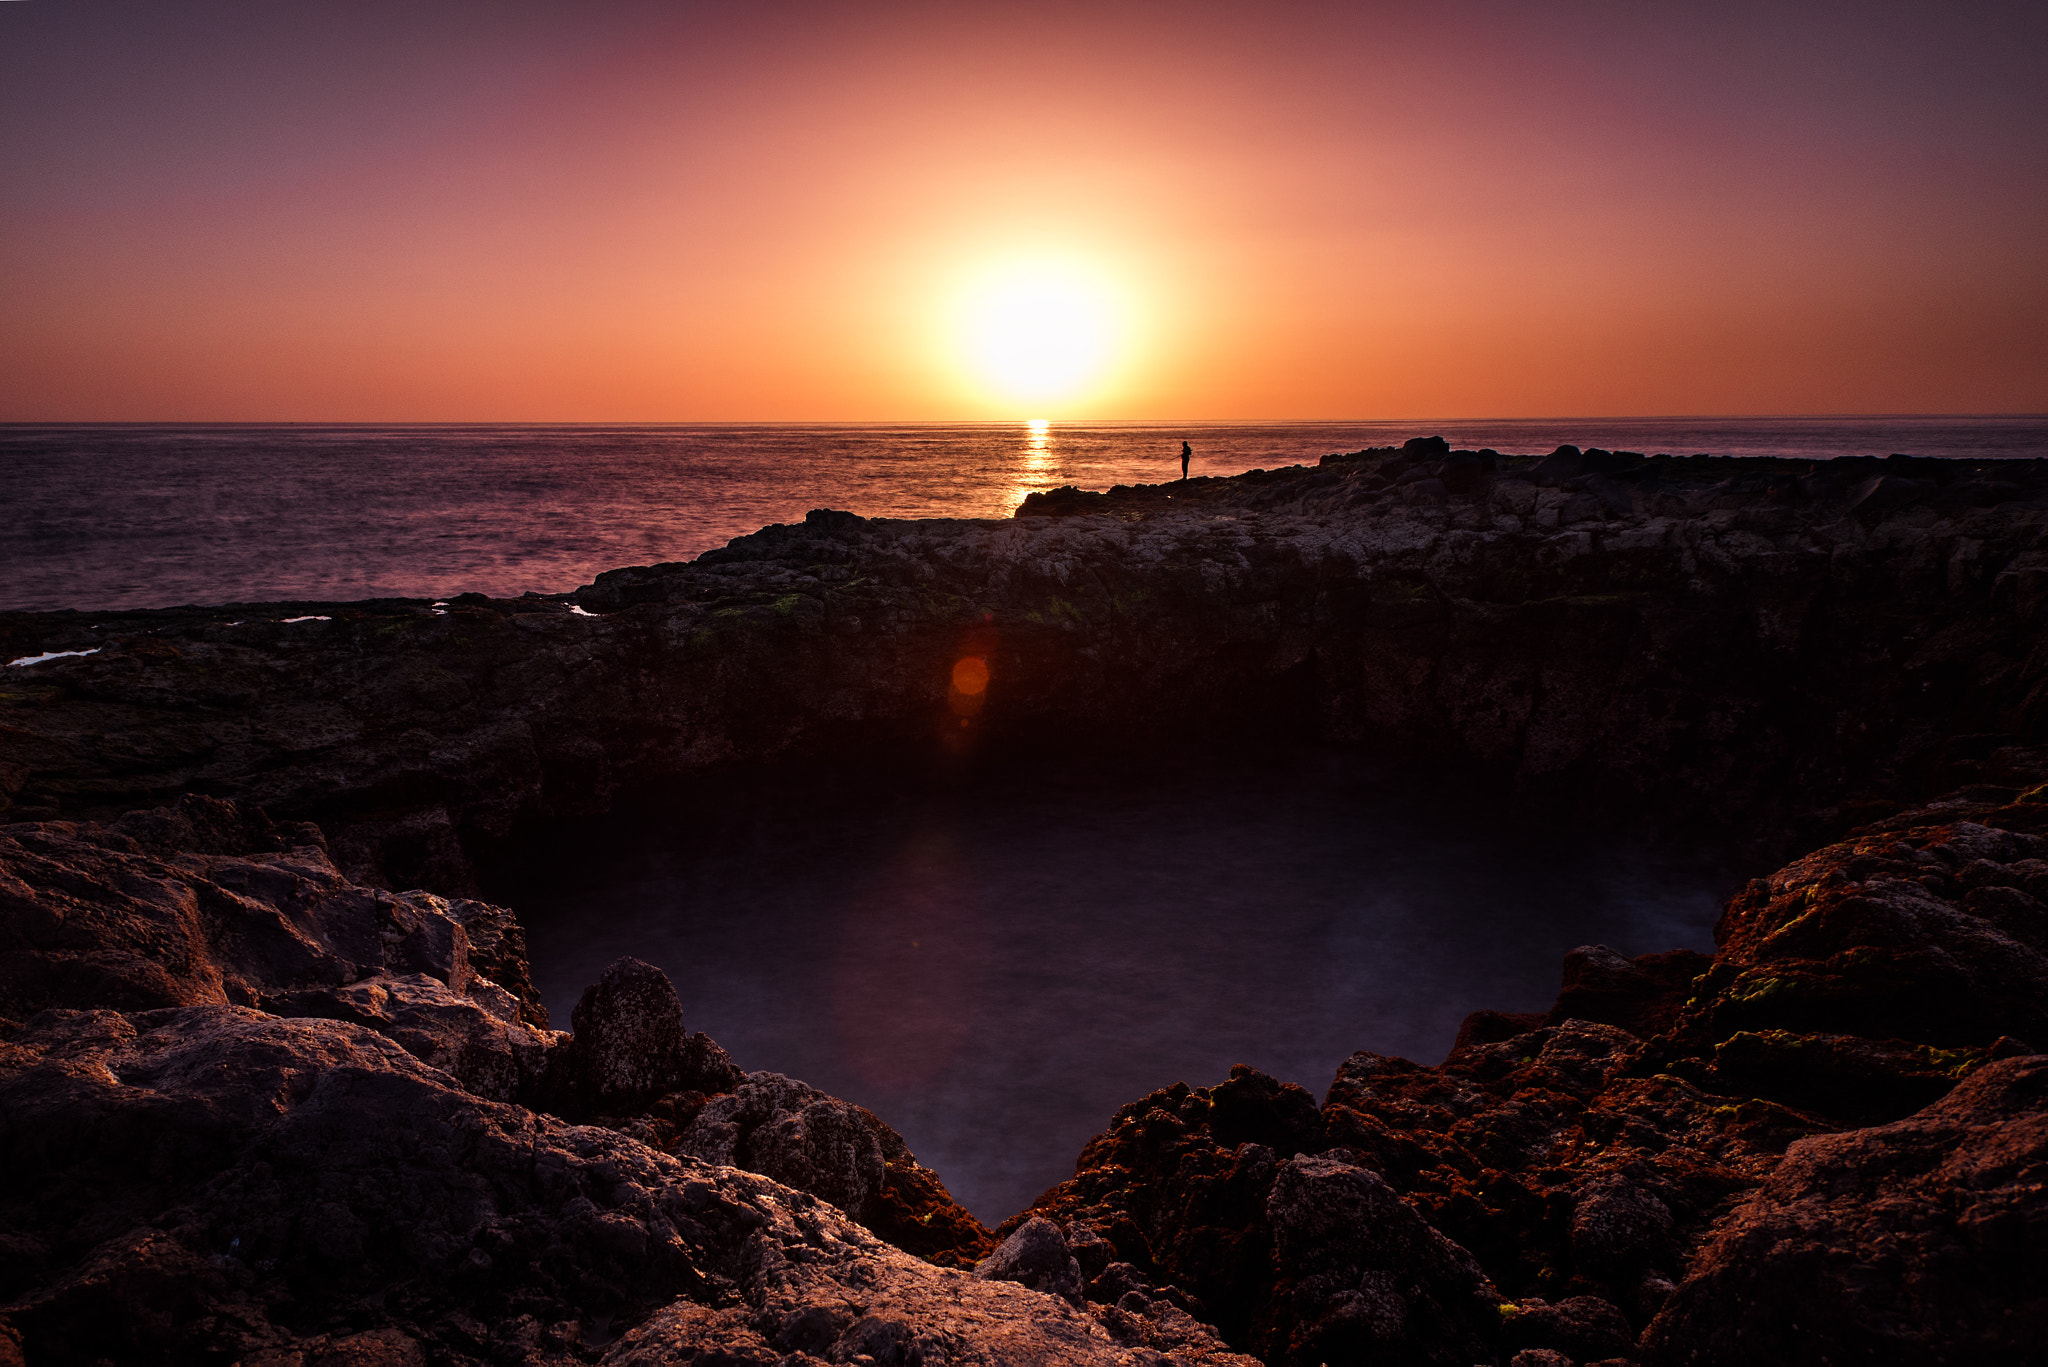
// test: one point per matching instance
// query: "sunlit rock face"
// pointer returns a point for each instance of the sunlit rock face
(254, 1108)
(309, 1191)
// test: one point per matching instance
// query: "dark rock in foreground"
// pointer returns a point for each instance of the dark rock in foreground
(205, 1184)
(257, 1106)
(259, 1113)
(320, 1134)
(629, 1049)
(1833, 1149)
(1925, 1240)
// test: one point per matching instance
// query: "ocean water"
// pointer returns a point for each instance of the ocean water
(996, 963)
(132, 516)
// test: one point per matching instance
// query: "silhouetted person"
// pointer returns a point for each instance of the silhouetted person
(1185, 451)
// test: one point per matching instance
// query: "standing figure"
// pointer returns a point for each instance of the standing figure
(1185, 451)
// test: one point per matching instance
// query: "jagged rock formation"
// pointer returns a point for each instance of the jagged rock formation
(1918, 1241)
(317, 1133)
(1689, 635)
(205, 903)
(211, 1183)
(1780, 1167)
(249, 1109)
(1036, 1255)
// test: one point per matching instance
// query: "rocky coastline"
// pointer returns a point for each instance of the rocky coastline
(275, 1087)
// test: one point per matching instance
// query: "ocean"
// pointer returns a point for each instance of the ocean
(137, 516)
(993, 966)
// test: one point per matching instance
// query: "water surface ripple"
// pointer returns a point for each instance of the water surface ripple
(132, 516)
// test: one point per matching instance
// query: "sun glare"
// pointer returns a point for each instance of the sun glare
(1040, 333)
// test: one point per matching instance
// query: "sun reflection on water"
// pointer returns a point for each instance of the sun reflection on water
(1041, 469)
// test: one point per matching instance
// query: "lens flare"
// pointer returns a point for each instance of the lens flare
(970, 675)
(970, 687)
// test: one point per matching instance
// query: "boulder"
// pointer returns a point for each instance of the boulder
(1251, 1108)
(1642, 995)
(798, 1135)
(1360, 1276)
(1566, 462)
(1619, 1231)
(1036, 1255)
(834, 1150)
(629, 1046)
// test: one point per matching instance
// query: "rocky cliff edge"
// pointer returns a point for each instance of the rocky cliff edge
(252, 1112)
(258, 1105)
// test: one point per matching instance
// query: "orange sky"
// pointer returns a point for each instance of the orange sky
(698, 212)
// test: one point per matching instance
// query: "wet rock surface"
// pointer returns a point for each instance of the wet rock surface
(258, 1104)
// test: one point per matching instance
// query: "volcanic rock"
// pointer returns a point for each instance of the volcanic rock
(476, 1037)
(1362, 1277)
(1769, 1162)
(92, 919)
(90, 922)
(771, 1124)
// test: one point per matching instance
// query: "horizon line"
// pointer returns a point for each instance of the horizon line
(1010, 422)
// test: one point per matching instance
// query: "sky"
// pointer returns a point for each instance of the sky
(655, 210)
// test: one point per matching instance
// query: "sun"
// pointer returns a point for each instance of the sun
(1040, 333)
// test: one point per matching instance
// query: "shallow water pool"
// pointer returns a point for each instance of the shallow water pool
(995, 963)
